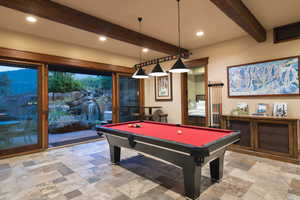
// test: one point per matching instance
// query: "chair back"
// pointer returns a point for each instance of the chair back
(156, 115)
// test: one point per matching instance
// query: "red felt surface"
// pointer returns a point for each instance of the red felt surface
(190, 135)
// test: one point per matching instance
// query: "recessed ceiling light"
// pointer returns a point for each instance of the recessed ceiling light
(200, 33)
(145, 50)
(31, 19)
(102, 38)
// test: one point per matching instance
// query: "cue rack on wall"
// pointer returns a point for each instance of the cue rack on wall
(214, 103)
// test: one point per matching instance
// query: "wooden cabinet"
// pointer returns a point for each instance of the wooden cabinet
(270, 137)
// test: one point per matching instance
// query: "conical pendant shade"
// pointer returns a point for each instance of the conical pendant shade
(140, 73)
(179, 67)
(158, 71)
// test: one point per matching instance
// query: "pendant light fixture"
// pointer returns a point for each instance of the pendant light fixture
(140, 72)
(179, 66)
(158, 70)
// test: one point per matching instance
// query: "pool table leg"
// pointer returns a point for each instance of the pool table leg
(216, 168)
(192, 180)
(115, 154)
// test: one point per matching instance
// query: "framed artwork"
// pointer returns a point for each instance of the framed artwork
(262, 108)
(163, 88)
(280, 110)
(241, 109)
(278, 77)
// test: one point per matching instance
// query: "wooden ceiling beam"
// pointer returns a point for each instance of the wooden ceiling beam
(240, 14)
(13, 54)
(74, 18)
(287, 32)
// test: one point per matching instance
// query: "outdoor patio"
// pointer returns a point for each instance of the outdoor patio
(72, 137)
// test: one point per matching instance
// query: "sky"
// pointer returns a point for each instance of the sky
(6, 69)
(77, 76)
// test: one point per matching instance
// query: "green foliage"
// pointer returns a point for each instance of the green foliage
(4, 84)
(55, 115)
(63, 82)
(103, 82)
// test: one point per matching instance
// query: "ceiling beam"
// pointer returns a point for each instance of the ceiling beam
(287, 32)
(240, 14)
(71, 17)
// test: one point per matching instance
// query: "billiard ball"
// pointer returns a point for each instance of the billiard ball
(179, 131)
(135, 125)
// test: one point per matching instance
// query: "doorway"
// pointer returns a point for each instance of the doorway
(82, 100)
(78, 102)
(194, 93)
(129, 109)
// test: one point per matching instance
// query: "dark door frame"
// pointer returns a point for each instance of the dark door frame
(116, 95)
(42, 111)
(184, 88)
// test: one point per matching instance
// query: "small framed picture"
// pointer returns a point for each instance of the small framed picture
(243, 107)
(280, 110)
(163, 88)
(262, 108)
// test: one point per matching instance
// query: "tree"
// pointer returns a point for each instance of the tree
(63, 82)
(92, 83)
(106, 82)
(4, 84)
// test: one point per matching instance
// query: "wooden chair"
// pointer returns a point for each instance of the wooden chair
(163, 118)
(160, 116)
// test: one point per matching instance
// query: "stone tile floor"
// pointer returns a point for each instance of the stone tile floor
(84, 172)
(63, 137)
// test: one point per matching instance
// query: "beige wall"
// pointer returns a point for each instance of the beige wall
(233, 52)
(25, 42)
(173, 108)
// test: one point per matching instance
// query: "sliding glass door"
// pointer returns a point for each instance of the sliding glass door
(79, 102)
(67, 101)
(128, 98)
(19, 108)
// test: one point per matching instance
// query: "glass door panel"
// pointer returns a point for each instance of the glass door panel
(79, 102)
(128, 98)
(19, 109)
(196, 96)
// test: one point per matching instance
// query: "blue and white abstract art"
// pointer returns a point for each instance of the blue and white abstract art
(280, 77)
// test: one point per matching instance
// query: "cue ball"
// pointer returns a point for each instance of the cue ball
(179, 131)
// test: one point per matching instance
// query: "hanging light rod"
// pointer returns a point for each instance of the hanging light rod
(140, 72)
(179, 66)
(157, 60)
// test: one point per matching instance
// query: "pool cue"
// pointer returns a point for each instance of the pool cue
(215, 103)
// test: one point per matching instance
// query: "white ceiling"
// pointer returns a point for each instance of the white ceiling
(159, 22)
(273, 13)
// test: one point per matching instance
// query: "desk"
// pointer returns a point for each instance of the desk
(150, 108)
(190, 148)
(145, 107)
(145, 115)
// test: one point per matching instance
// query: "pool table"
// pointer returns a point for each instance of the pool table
(188, 147)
